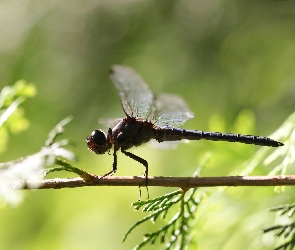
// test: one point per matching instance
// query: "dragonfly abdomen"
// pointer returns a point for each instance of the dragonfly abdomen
(175, 134)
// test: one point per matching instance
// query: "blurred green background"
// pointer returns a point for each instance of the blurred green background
(232, 61)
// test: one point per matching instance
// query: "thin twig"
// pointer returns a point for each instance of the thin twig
(182, 182)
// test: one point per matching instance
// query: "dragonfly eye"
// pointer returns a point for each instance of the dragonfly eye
(97, 142)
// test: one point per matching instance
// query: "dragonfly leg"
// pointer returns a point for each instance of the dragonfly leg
(114, 166)
(140, 160)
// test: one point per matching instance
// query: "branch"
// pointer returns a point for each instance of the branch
(181, 182)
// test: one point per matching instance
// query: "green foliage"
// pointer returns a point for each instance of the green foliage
(11, 115)
(176, 234)
(285, 231)
(285, 156)
(14, 174)
(281, 157)
(66, 166)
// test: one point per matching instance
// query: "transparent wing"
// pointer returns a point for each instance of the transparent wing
(109, 122)
(135, 94)
(169, 110)
(164, 145)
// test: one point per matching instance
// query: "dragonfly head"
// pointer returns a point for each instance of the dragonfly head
(97, 142)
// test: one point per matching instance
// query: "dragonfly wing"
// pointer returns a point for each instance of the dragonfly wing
(170, 110)
(136, 97)
(109, 122)
(164, 145)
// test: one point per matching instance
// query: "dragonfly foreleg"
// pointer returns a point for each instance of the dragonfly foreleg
(140, 160)
(114, 166)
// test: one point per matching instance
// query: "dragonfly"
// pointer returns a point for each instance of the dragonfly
(150, 116)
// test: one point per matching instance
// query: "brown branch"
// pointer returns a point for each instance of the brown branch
(181, 182)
